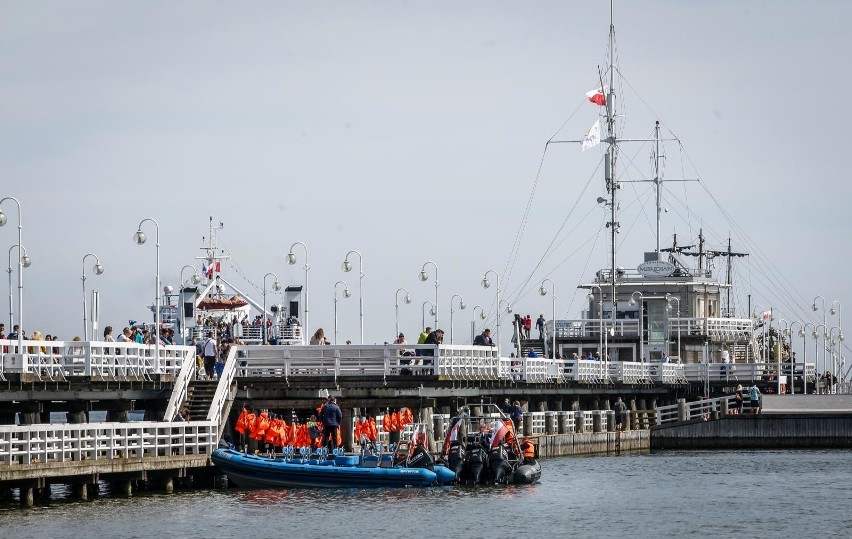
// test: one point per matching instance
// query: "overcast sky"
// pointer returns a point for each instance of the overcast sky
(414, 131)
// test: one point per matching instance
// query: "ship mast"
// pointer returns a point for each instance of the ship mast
(610, 160)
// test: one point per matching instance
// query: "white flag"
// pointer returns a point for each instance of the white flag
(593, 137)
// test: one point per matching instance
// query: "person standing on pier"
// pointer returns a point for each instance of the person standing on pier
(527, 326)
(331, 417)
(619, 408)
(210, 355)
(539, 325)
(754, 397)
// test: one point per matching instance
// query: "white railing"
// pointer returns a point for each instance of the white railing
(93, 442)
(117, 360)
(180, 389)
(700, 409)
(223, 388)
(732, 329)
(746, 372)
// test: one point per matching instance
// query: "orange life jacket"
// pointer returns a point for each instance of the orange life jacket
(251, 419)
(260, 426)
(528, 447)
(241, 425)
(373, 432)
(407, 417)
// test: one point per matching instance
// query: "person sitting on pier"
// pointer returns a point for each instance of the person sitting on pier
(484, 338)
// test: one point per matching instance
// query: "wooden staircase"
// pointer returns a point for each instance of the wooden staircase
(199, 398)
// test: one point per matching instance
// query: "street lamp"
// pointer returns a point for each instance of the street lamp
(347, 267)
(423, 312)
(21, 266)
(485, 284)
(832, 341)
(473, 322)
(816, 335)
(641, 322)
(291, 259)
(788, 332)
(25, 262)
(98, 269)
(669, 298)
(543, 291)
(832, 311)
(425, 277)
(825, 325)
(406, 299)
(139, 239)
(346, 294)
(591, 297)
(276, 286)
(461, 307)
(194, 279)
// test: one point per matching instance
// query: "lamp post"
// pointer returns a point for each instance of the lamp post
(825, 326)
(346, 294)
(139, 239)
(804, 358)
(461, 307)
(276, 286)
(98, 269)
(24, 262)
(788, 332)
(816, 335)
(194, 279)
(839, 313)
(473, 322)
(591, 297)
(832, 341)
(485, 284)
(423, 312)
(20, 273)
(669, 298)
(641, 322)
(425, 277)
(291, 259)
(406, 299)
(543, 291)
(347, 267)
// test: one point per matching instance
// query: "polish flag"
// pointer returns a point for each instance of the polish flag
(597, 96)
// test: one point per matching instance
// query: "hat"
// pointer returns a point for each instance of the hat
(739, 387)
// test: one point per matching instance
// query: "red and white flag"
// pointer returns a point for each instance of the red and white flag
(597, 96)
(593, 137)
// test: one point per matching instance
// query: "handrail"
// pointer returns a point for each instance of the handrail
(181, 388)
(223, 388)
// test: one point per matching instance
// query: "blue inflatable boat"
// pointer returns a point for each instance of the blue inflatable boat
(341, 471)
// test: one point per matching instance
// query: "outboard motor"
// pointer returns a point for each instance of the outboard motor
(499, 462)
(421, 458)
(477, 460)
(456, 458)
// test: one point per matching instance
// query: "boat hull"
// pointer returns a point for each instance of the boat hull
(251, 471)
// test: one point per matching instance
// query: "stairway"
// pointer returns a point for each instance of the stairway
(532, 344)
(199, 398)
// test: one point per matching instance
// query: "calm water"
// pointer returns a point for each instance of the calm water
(666, 494)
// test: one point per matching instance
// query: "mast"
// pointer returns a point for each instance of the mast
(657, 179)
(610, 160)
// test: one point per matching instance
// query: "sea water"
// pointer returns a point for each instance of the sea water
(663, 494)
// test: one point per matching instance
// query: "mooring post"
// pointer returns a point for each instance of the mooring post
(550, 423)
(610, 421)
(27, 496)
(579, 421)
(682, 410)
(527, 423)
(597, 424)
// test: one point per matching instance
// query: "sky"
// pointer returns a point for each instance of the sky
(415, 132)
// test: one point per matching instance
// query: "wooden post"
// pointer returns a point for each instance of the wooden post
(682, 410)
(597, 424)
(169, 485)
(80, 491)
(725, 410)
(346, 431)
(579, 423)
(430, 432)
(527, 424)
(542, 406)
(625, 420)
(27, 496)
(438, 428)
(556, 405)
(610, 421)
(562, 422)
(550, 423)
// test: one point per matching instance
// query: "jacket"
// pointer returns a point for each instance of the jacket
(331, 415)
